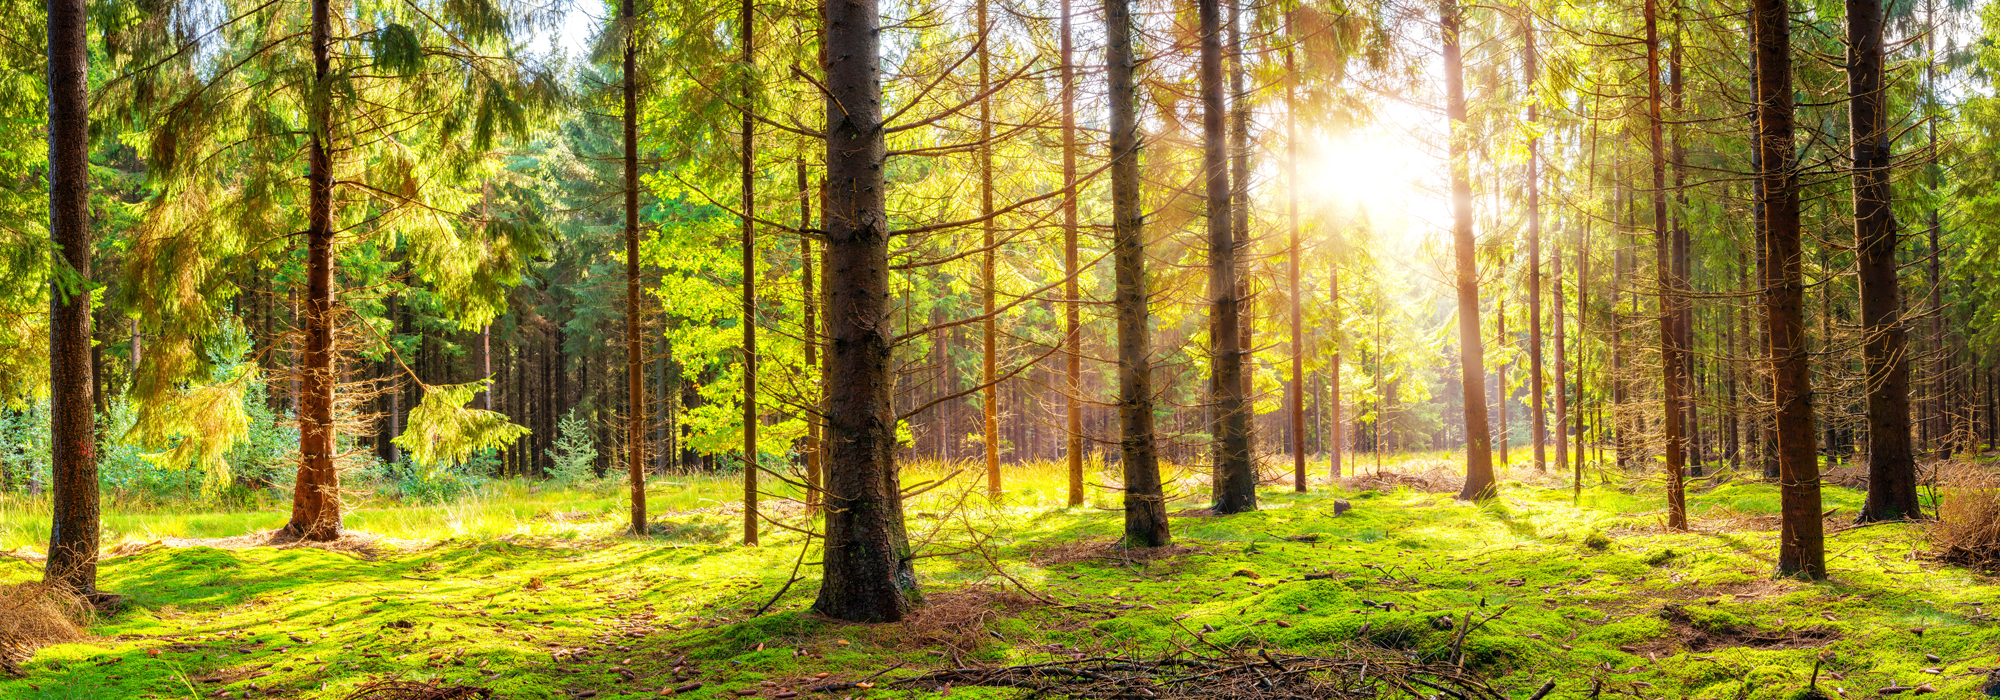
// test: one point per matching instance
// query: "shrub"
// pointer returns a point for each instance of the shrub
(1968, 528)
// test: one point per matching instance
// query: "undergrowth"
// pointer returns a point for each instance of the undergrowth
(530, 592)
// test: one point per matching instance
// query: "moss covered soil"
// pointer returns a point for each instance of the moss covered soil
(1595, 595)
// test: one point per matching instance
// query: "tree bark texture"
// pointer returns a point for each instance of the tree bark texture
(1479, 483)
(1235, 480)
(316, 492)
(635, 363)
(747, 152)
(1072, 333)
(1672, 366)
(1144, 500)
(867, 573)
(73, 531)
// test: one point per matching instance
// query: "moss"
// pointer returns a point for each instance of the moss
(1597, 540)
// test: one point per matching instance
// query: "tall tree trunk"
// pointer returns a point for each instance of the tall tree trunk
(316, 494)
(809, 303)
(1338, 338)
(1801, 546)
(1583, 327)
(635, 363)
(1671, 292)
(1144, 500)
(867, 574)
(72, 560)
(1479, 483)
(1297, 387)
(1072, 332)
(1683, 265)
(1892, 469)
(747, 154)
(1535, 269)
(1235, 481)
(1561, 394)
(990, 394)
(1239, 222)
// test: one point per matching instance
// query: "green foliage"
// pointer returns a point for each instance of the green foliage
(574, 452)
(443, 429)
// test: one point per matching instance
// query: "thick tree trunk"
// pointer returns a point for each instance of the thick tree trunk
(1801, 547)
(1479, 483)
(747, 155)
(1072, 332)
(72, 555)
(316, 493)
(1892, 469)
(1672, 366)
(635, 362)
(867, 573)
(1235, 480)
(1239, 221)
(1144, 501)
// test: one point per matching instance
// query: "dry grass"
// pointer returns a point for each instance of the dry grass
(34, 615)
(1968, 528)
(956, 621)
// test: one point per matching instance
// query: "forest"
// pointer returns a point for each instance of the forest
(903, 349)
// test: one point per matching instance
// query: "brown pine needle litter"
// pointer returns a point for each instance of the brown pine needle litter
(34, 615)
(399, 689)
(1234, 676)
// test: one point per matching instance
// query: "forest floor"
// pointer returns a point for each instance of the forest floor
(1596, 596)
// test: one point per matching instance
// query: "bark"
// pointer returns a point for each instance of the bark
(1892, 469)
(1672, 366)
(809, 302)
(1583, 330)
(1072, 334)
(867, 572)
(635, 363)
(73, 527)
(1801, 547)
(1297, 385)
(1339, 436)
(1144, 500)
(1561, 394)
(1535, 274)
(1239, 220)
(1479, 483)
(989, 364)
(316, 493)
(747, 154)
(1235, 482)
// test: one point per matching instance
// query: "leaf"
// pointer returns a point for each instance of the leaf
(396, 50)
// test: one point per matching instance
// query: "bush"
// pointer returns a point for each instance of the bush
(1968, 528)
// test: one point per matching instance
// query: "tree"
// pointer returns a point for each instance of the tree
(1479, 482)
(1892, 469)
(1534, 181)
(1801, 542)
(1072, 335)
(1144, 500)
(867, 569)
(1235, 481)
(747, 156)
(635, 376)
(72, 561)
(1672, 292)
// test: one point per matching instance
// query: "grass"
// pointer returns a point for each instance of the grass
(532, 593)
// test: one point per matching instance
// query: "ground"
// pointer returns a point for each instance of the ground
(1596, 596)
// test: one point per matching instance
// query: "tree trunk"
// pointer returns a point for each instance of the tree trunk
(1801, 547)
(1297, 386)
(1333, 295)
(72, 560)
(1672, 366)
(1144, 501)
(1239, 222)
(809, 304)
(1479, 483)
(990, 394)
(748, 155)
(1535, 387)
(1235, 481)
(635, 363)
(316, 493)
(1892, 469)
(1072, 333)
(867, 573)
